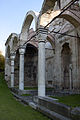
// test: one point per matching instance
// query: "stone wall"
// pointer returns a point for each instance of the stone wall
(63, 26)
(62, 61)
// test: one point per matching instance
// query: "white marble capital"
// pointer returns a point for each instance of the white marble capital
(12, 56)
(42, 34)
(22, 51)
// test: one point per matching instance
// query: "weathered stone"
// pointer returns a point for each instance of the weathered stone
(61, 50)
(75, 113)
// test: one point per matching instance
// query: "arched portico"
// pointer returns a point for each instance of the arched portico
(50, 10)
(11, 46)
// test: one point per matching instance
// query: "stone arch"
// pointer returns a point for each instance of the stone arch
(66, 62)
(72, 16)
(45, 13)
(30, 65)
(15, 43)
(26, 24)
(11, 41)
(33, 43)
(51, 39)
(48, 12)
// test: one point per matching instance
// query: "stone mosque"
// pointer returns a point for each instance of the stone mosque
(48, 56)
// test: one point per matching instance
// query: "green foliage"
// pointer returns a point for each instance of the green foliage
(2, 62)
(71, 100)
(10, 109)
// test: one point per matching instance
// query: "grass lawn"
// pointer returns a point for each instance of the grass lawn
(10, 109)
(30, 88)
(26, 95)
(27, 88)
(71, 100)
(35, 88)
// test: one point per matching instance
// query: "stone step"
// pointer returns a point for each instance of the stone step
(53, 115)
(33, 105)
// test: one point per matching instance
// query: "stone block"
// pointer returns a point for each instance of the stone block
(54, 106)
(75, 113)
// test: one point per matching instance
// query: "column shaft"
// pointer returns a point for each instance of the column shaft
(21, 73)
(12, 73)
(21, 68)
(41, 69)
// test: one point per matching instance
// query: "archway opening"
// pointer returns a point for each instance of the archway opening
(66, 63)
(30, 66)
(49, 55)
(29, 22)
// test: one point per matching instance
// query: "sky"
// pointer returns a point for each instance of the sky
(12, 14)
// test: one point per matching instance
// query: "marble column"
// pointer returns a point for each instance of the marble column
(41, 36)
(21, 68)
(12, 68)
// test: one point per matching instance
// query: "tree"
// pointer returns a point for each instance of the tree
(2, 62)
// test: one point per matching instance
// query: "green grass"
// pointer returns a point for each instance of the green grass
(10, 109)
(26, 95)
(35, 88)
(30, 88)
(71, 100)
(27, 88)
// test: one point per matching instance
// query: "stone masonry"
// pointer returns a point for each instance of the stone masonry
(46, 57)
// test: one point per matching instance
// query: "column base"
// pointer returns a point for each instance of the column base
(21, 86)
(41, 90)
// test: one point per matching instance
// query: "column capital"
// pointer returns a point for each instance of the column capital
(12, 55)
(42, 34)
(22, 49)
